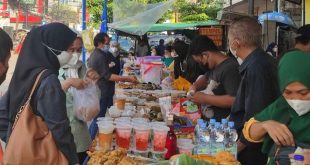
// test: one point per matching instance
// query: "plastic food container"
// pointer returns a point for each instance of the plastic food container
(186, 148)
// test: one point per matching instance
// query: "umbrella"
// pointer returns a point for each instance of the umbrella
(276, 17)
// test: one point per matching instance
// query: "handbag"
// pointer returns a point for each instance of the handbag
(31, 142)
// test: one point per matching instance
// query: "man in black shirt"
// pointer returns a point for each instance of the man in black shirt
(258, 87)
(104, 63)
(221, 81)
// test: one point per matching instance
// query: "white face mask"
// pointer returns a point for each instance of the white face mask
(174, 54)
(301, 107)
(114, 51)
(64, 58)
(233, 52)
(74, 60)
(106, 48)
(240, 61)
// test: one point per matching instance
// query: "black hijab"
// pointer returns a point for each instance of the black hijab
(35, 57)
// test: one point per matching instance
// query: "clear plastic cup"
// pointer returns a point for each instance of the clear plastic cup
(186, 148)
(142, 133)
(139, 120)
(126, 119)
(120, 103)
(159, 138)
(105, 119)
(123, 134)
(105, 135)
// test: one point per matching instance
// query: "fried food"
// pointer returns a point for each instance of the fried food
(226, 158)
(206, 158)
(115, 157)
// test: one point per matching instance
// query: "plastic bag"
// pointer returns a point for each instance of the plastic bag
(86, 103)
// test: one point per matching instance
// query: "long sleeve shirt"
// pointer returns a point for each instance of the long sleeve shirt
(49, 102)
(258, 88)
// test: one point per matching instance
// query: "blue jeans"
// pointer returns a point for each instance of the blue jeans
(105, 103)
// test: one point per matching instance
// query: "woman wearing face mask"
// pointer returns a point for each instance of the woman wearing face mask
(285, 124)
(45, 48)
(71, 75)
(168, 59)
(272, 50)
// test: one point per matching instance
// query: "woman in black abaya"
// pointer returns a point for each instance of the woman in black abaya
(45, 47)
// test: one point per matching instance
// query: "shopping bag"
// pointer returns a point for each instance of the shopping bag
(86, 103)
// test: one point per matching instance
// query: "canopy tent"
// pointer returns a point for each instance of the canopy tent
(169, 26)
(140, 16)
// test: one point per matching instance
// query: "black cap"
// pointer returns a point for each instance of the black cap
(304, 30)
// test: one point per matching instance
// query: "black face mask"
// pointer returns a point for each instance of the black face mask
(3, 76)
(204, 67)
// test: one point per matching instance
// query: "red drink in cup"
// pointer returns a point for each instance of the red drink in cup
(123, 134)
(142, 139)
(160, 136)
(142, 132)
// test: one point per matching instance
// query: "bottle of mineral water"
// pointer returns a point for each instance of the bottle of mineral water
(202, 143)
(230, 139)
(224, 124)
(211, 124)
(216, 141)
(197, 127)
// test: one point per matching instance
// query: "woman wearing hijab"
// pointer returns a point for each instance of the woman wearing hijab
(45, 48)
(285, 124)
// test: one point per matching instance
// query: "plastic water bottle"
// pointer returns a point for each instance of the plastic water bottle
(211, 124)
(230, 138)
(197, 127)
(202, 147)
(224, 123)
(216, 143)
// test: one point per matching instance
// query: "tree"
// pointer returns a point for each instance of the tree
(188, 11)
(63, 13)
(95, 9)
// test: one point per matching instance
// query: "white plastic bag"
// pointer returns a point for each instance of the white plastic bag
(86, 103)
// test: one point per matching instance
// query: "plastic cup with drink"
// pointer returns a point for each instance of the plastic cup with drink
(105, 135)
(123, 134)
(120, 102)
(160, 136)
(142, 132)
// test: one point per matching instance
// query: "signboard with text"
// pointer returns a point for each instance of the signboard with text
(214, 33)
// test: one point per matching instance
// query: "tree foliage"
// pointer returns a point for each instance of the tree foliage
(188, 11)
(63, 13)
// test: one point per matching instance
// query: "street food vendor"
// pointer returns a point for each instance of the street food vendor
(223, 79)
(104, 63)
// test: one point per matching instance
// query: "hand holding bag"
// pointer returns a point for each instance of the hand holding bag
(31, 142)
